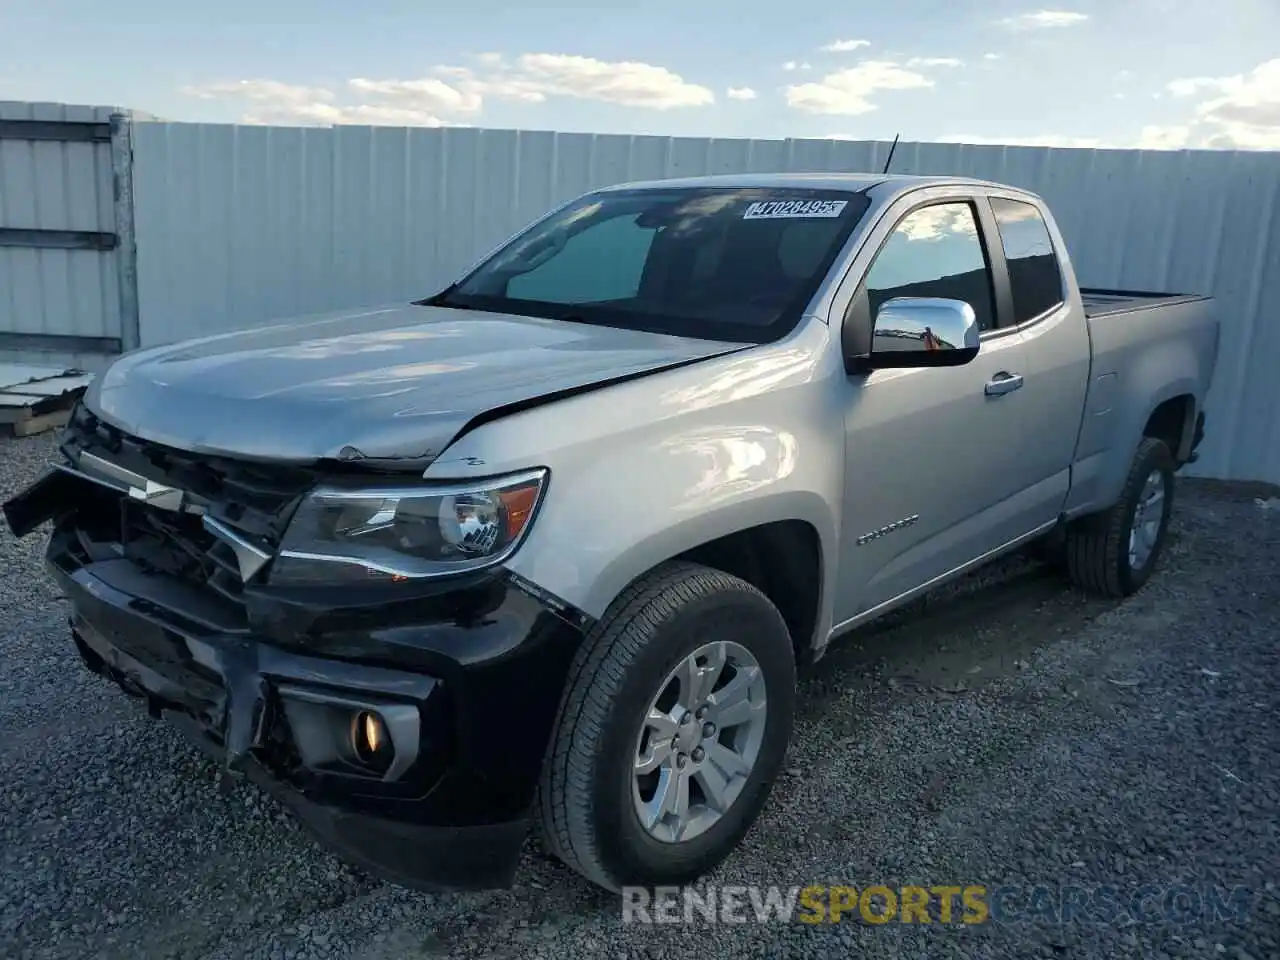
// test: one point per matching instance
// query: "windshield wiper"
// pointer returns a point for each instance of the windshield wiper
(445, 298)
(440, 299)
(569, 317)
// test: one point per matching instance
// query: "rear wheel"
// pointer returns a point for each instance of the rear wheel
(1114, 552)
(673, 726)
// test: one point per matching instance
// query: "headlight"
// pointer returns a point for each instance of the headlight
(399, 533)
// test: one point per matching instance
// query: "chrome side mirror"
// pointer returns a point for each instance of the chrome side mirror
(923, 332)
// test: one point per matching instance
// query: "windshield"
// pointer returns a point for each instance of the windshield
(734, 263)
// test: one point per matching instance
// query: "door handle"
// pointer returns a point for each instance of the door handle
(1002, 383)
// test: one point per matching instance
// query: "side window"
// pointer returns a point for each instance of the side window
(935, 252)
(603, 262)
(1035, 277)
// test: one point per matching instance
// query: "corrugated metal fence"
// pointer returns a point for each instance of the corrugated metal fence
(239, 224)
(63, 248)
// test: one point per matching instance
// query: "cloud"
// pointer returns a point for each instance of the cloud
(1171, 137)
(934, 62)
(501, 84)
(370, 114)
(1240, 111)
(847, 92)
(991, 56)
(740, 93)
(844, 46)
(629, 83)
(790, 65)
(425, 94)
(1044, 20)
(934, 223)
(455, 92)
(1041, 140)
(260, 90)
(270, 101)
(1190, 86)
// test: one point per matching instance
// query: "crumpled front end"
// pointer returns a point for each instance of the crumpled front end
(404, 723)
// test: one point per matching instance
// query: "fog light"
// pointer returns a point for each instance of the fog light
(369, 737)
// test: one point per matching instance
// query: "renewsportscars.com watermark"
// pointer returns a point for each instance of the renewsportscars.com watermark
(973, 903)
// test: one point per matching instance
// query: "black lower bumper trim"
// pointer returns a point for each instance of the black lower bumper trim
(426, 858)
(422, 857)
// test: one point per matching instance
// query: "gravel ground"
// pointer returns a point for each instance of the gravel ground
(1005, 731)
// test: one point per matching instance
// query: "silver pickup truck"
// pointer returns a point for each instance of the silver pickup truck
(547, 548)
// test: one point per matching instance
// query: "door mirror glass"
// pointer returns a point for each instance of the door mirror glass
(924, 332)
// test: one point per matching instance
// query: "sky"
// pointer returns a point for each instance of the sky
(1149, 73)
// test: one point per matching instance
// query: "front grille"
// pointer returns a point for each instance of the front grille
(178, 545)
(255, 500)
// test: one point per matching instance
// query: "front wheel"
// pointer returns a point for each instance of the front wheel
(1114, 552)
(672, 729)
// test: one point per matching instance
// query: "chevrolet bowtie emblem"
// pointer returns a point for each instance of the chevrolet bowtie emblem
(135, 484)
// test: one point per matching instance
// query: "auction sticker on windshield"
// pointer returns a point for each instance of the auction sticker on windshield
(785, 209)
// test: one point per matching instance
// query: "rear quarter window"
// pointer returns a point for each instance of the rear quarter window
(1035, 275)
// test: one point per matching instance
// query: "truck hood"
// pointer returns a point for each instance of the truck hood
(396, 383)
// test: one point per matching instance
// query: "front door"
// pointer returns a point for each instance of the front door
(931, 473)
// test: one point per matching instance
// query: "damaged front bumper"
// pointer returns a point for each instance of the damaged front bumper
(463, 679)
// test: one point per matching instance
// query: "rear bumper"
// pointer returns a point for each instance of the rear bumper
(467, 679)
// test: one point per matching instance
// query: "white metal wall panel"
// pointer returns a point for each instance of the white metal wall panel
(241, 224)
(50, 185)
(62, 359)
(236, 225)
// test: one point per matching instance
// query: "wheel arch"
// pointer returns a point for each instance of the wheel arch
(1173, 420)
(741, 540)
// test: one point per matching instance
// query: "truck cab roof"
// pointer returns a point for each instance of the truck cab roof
(852, 182)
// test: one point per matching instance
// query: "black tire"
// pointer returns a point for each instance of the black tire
(586, 808)
(1097, 548)
(1050, 549)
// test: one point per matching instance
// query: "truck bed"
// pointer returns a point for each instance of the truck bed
(1106, 303)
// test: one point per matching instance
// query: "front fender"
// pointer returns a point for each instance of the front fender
(609, 521)
(626, 552)
(644, 471)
